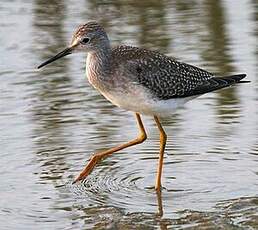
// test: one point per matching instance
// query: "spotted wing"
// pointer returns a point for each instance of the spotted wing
(167, 78)
(173, 79)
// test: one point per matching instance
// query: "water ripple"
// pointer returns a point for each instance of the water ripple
(103, 185)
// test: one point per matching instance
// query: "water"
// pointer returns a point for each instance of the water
(52, 120)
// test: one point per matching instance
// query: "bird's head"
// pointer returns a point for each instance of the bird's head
(89, 37)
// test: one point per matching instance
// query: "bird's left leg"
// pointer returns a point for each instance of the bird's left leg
(163, 139)
(97, 157)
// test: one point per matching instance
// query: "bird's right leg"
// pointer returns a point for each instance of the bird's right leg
(163, 139)
(97, 157)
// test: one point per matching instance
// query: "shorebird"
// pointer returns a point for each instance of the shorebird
(139, 80)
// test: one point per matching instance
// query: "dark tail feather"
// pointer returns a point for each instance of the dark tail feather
(233, 79)
(222, 82)
(216, 83)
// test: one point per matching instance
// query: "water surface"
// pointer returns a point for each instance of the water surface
(52, 120)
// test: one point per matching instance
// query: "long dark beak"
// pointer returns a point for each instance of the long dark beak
(65, 52)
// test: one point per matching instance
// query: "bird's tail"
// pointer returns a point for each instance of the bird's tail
(216, 83)
(232, 79)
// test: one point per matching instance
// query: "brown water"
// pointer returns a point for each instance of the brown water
(52, 120)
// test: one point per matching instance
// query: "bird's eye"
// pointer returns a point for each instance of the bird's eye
(85, 40)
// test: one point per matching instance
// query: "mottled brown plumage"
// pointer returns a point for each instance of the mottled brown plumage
(90, 27)
(166, 77)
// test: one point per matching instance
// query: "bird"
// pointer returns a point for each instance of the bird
(139, 80)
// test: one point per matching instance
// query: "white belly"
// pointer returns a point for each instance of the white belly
(140, 102)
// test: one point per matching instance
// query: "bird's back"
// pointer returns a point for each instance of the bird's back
(165, 77)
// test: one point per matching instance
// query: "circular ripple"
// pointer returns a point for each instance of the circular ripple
(109, 185)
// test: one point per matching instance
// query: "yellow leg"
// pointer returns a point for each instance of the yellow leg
(163, 139)
(97, 157)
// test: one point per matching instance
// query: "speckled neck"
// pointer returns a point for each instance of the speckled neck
(98, 65)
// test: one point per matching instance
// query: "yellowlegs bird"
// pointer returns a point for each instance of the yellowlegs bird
(139, 80)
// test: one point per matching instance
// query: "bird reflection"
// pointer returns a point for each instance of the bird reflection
(159, 202)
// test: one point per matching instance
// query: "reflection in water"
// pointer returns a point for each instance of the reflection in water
(50, 96)
(218, 49)
(218, 54)
(209, 175)
(146, 21)
(160, 205)
(255, 32)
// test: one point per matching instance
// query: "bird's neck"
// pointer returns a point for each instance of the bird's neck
(98, 66)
